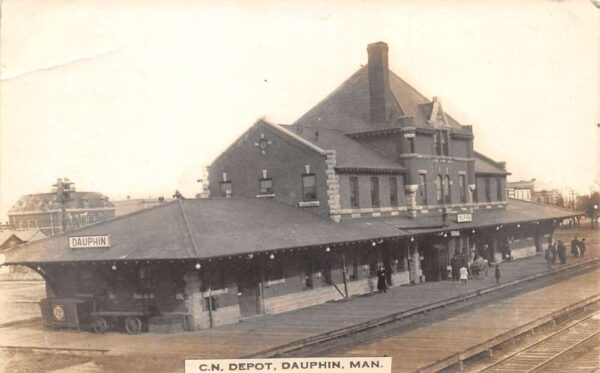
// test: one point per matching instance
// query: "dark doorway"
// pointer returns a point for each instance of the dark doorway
(435, 260)
(248, 291)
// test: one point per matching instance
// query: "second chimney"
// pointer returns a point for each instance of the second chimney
(379, 82)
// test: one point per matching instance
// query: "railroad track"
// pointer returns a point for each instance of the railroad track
(550, 352)
(345, 339)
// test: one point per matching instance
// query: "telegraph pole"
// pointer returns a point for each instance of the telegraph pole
(64, 194)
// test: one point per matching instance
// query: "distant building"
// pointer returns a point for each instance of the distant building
(522, 190)
(44, 211)
(548, 197)
(11, 238)
(129, 205)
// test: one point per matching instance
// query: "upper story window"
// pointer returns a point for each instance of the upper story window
(265, 186)
(447, 191)
(225, 188)
(423, 188)
(488, 193)
(354, 197)
(411, 144)
(438, 188)
(499, 189)
(393, 191)
(445, 140)
(440, 142)
(309, 187)
(462, 185)
(374, 192)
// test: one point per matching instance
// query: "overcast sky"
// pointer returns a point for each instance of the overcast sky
(136, 97)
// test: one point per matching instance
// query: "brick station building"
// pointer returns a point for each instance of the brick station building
(374, 175)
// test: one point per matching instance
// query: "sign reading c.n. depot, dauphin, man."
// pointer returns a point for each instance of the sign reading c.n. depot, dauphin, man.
(84, 242)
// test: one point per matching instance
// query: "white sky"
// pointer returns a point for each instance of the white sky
(135, 97)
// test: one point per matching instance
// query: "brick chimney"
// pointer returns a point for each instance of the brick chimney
(379, 82)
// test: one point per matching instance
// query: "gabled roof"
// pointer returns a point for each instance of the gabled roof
(279, 128)
(24, 235)
(350, 154)
(487, 166)
(347, 109)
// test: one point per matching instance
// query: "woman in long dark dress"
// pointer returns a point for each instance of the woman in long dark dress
(381, 280)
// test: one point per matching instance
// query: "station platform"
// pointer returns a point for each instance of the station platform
(267, 332)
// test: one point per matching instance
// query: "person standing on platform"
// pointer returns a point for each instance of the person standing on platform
(454, 262)
(562, 252)
(497, 273)
(464, 274)
(381, 280)
(582, 246)
(575, 247)
(553, 253)
(547, 256)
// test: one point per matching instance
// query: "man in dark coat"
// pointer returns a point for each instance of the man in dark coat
(562, 252)
(575, 247)
(381, 280)
(455, 267)
(582, 246)
(553, 252)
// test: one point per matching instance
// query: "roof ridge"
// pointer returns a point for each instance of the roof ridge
(576, 212)
(187, 227)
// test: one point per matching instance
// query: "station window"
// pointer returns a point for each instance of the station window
(309, 187)
(436, 144)
(488, 193)
(354, 197)
(438, 187)
(274, 268)
(499, 189)
(374, 192)
(225, 188)
(445, 139)
(393, 191)
(447, 190)
(411, 144)
(463, 188)
(265, 186)
(423, 188)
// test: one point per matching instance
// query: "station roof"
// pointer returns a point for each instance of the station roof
(207, 228)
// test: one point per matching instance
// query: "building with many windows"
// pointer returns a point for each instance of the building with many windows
(375, 175)
(44, 211)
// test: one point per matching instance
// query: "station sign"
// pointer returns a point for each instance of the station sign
(86, 242)
(464, 218)
(454, 233)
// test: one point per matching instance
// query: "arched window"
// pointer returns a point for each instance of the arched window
(438, 185)
(447, 189)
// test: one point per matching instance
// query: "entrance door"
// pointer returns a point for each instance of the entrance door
(248, 292)
(435, 260)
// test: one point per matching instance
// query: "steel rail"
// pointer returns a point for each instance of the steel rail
(550, 360)
(536, 343)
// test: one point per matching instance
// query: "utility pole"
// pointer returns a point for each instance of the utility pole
(64, 194)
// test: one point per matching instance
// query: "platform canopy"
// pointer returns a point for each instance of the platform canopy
(221, 227)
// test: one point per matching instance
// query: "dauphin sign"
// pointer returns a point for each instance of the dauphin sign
(85, 242)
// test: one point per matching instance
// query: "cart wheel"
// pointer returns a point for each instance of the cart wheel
(100, 325)
(133, 325)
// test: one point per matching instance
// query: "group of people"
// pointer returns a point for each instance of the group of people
(459, 268)
(559, 250)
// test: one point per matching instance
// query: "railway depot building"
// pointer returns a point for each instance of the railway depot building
(296, 215)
